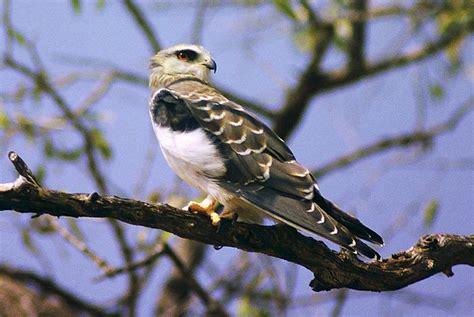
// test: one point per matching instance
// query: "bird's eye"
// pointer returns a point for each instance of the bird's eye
(186, 55)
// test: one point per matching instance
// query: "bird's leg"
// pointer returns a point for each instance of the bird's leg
(207, 207)
(228, 214)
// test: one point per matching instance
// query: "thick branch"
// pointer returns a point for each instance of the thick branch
(313, 81)
(356, 47)
(299, 97)
(431, 254)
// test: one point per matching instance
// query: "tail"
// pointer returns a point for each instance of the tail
(353, 226)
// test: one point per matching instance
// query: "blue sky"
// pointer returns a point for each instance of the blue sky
(257, 58)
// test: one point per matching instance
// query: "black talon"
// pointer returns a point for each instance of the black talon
(235, 216)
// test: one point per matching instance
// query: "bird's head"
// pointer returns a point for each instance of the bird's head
(182, 60)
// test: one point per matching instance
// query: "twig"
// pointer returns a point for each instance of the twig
(144, 25)
(176, 295)
(48, 286)
(341, 298)
(250, 104)
(298, 98)
(213, 306)
(313, 82)
(147, 261)
(423, 137)
(99, 92)
(79, 245)
(430, 255)
(41, 80)
(198, 24)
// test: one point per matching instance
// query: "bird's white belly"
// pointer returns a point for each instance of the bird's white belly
(192, 156)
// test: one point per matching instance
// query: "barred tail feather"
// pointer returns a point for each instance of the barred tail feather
(309, 217)
(356, 227)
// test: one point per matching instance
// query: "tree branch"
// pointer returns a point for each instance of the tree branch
(430, 255)
(41, 80)
(299, 97)
(313, 82)
(424, 137)
(356, 46)
(143, 24)
(48, 286)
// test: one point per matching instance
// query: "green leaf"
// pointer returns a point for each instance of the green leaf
(37, 92)
(40, 174)
(76, 6)
(246, 309)
(284, 6)
(51, 151)
(19, 37)
(431, 211)
(305, 39)
(28, 241)
(166, 236)
(48, 149)
(69, 155)
(4, 121)
(20, 93)
(26, 126)
(101, 143)
(437, 91)
(100, 4)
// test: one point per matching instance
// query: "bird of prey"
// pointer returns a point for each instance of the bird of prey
(222, 149)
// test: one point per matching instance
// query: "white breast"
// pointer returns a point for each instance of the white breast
(191, 155)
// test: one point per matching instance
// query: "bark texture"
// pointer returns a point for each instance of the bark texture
(432, 254)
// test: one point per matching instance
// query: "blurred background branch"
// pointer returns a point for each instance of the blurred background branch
(72, 104)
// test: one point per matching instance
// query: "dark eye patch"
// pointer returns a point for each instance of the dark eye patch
(186, 55)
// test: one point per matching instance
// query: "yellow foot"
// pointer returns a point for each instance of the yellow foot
(207, 207)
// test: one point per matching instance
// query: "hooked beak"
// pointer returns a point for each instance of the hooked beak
(211, 65)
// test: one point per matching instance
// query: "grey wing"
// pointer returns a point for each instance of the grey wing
(263, 170)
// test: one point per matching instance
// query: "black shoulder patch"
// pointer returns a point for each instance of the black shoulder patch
(167, 110)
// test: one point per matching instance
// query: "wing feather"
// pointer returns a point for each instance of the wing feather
(263, 170)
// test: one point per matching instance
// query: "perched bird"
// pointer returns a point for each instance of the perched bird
(220, 148)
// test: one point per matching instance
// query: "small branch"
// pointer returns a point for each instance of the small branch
(299, 97)
(341, 299)
(80, 245)
(313, 82)
(431, 254)
(213, 306)
(176, 295)
(48, 286)
(40, 80)
(147, 261)
(409, 139)
(144, 25)
(252, 105)
(199, 19)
